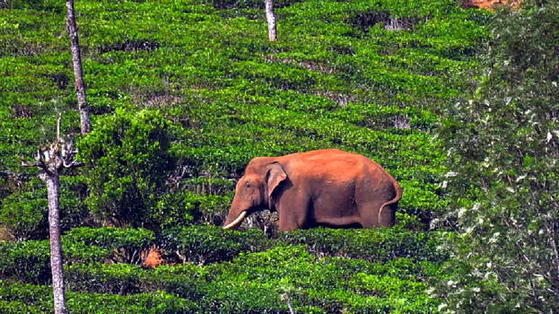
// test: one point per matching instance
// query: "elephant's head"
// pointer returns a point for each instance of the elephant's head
(254, 190)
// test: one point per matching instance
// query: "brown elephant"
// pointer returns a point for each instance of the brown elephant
(326, 187)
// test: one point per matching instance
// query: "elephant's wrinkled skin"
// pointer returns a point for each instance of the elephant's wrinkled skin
(324, 187)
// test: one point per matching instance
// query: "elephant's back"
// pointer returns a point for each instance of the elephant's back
(328, 164)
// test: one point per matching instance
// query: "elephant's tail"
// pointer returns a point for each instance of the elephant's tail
(395, 200)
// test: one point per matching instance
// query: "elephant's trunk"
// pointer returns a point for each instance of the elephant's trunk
(237, 221)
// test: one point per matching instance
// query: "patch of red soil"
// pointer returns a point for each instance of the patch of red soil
(5, 236)
(153, 258)
(489, 4)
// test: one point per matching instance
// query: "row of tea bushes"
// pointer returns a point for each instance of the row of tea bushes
(252, 282)
(28, 261)
(27, 298)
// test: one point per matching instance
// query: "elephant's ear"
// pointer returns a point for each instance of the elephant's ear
(276, 174)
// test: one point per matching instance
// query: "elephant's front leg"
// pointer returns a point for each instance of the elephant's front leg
(294, 211)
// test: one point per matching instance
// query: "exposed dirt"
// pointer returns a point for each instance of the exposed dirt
(489, 4)
(154, 258)
(5, 236)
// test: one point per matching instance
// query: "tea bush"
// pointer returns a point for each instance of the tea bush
(310, 283)
(41, 298)
(29, 261)
(376, 245)
(185, 281)
(100, 278)
(128, 245)
(112, 237)
(15, 307)
(209, 244)
(24, 214)
(258, 282)
(185, 208)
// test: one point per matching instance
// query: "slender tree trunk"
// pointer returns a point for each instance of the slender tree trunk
(50, 160)
(270, 17)
(78, 71)
(53, 188)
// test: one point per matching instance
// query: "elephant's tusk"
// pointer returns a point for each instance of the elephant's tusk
(236, 221)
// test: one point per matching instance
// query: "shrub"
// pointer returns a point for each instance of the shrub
(46, 5)
(503, 153)
(41, 297)
(209, 244)
(100, 278)
(325, 285)
(29, 261)
(24, 213)
(243, 4)
(185, 208)
(185, 281)
(376, 245)
(127, 244)
(16, 307)
(127, 158)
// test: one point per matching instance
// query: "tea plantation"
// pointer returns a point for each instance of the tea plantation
(183, 93)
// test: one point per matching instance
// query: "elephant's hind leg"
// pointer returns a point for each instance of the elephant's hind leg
(369, 214)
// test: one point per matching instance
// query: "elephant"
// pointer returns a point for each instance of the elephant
(328, 187)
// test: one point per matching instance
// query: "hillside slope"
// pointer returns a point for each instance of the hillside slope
(183, 95)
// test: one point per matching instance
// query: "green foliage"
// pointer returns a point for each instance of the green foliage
(503, 157)
(100, 278)
(209, 244)
(184, 208)
(327, 285)
(127, 158)
(29, 261)
(183, 94)
(325, 84)
(243, 4)
(237, 262)
(16, 307)
(47, 5)
(24, 214)
(127, 244)
(123, 279)
(375, 245)
(41, 297)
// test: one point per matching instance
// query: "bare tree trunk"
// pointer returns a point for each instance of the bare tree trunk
(271, 20)
(50, 160)
(78, 71)
(53, 188)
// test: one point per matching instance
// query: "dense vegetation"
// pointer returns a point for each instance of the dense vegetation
(504, 185)
(184, 93)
